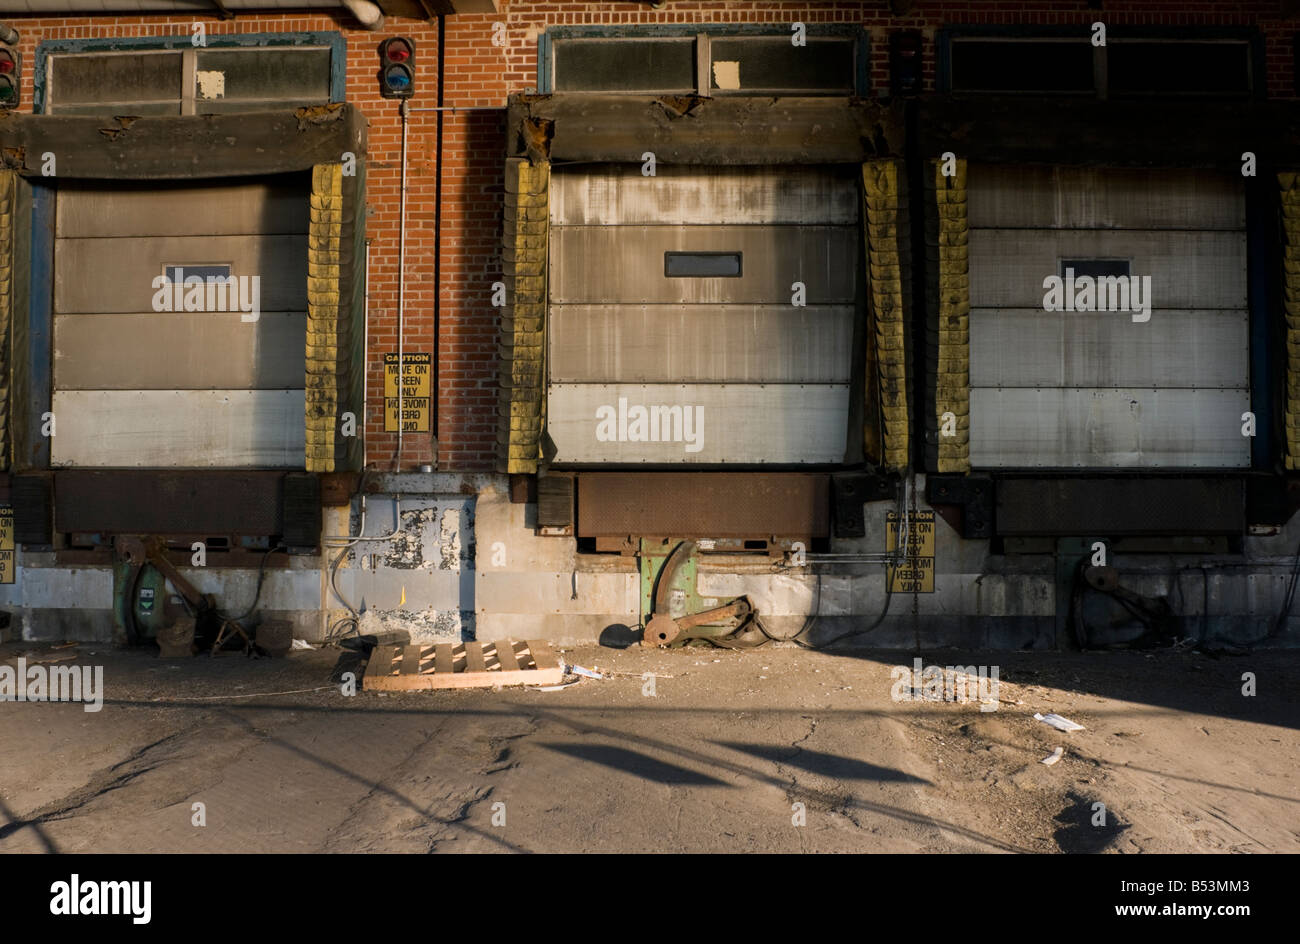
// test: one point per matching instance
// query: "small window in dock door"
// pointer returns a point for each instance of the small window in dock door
(703, 265)
(1095, 268)
(180, 273)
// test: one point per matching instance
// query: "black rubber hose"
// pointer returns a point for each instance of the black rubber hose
(133, 628)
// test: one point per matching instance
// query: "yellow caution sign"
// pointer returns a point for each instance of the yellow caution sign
(417, 386)
(8, 553)
(916, 575)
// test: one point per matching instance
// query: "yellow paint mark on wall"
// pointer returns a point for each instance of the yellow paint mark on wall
(211, 84)
(726, 75)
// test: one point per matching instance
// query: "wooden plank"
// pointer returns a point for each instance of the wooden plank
(442, 665)
(252, 144)
(542, 668)
(506, 656)
(776, 130)
(381, 661)
(543, 657)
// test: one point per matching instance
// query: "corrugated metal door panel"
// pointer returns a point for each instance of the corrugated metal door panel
(1094, 389)
(621, 195)
(175, 351)
(157, 209)
(1187, 269)
(723, 343)
(743, 423)
(603, 264)
(136, 387)
(1026, 348)
(770, 380)
(1087, 428)
(116, 274)
(179, 428)
(1105, 198)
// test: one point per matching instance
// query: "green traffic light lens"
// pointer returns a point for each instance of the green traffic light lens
(397, 78)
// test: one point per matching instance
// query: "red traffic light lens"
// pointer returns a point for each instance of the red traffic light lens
(6, 63)
(397, 50)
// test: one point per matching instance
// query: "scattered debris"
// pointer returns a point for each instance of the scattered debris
(296, 691)
(555, 688)
(301, 644)
(655, 675)
(1053, 757)
(579, 670)
(1056, 721)
(33, 657)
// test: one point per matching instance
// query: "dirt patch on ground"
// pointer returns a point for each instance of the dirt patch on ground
(777, 749)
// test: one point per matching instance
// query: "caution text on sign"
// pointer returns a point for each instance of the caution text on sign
(916, 575)
(7, 547)
(416, 379)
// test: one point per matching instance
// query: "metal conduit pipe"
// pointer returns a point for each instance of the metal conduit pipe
(401, 290)
(368, 14)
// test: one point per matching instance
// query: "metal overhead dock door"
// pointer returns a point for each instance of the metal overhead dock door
(1095, 389)
(675, 293)
(135, 387)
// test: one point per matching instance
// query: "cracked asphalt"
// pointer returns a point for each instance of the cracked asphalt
(773, 750)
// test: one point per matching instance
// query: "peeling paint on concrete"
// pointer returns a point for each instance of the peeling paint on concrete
(424, 626)
(212, 84)
(726, 74)
(407, 550)
(449, 540)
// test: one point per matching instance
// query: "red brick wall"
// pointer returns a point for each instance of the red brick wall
(478, 73)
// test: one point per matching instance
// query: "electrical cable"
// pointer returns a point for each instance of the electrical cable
(257, 594)
(350, 625)
(333, 635)
(1279, 625)
(132, 624)
(899, 557)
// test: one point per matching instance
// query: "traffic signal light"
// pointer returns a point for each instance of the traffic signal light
(905, 62)
(10, 80)
(397, 68)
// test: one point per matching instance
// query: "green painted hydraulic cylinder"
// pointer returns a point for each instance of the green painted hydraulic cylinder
(139, 596)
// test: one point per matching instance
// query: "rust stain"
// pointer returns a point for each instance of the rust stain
(679, 106)
(318, 115)
(537, 134)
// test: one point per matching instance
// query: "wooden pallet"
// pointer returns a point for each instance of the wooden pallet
(463, 665)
